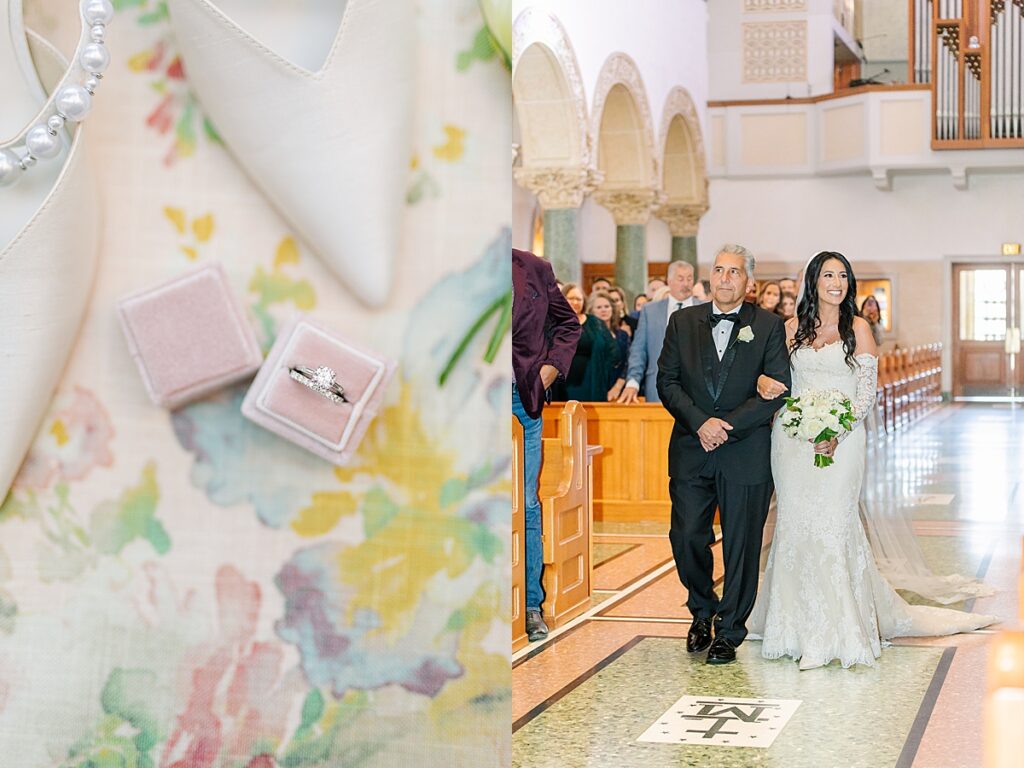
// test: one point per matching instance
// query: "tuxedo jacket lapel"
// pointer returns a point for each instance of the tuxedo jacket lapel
(708, 354)
(729, 357)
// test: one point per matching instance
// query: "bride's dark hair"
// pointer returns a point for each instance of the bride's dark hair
(807, 311)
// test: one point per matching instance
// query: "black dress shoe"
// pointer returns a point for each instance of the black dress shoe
(699, 637)
(536, 629)
(722, 651)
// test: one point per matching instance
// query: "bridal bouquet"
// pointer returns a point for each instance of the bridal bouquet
(818, 416)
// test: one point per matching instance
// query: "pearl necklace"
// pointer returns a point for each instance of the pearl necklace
(70, 100)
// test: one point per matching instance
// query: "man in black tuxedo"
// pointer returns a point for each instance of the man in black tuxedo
(720, 451)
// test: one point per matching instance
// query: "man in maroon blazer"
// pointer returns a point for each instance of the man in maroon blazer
(544, 335)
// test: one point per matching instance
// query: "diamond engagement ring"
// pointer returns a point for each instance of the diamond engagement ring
(322, 380)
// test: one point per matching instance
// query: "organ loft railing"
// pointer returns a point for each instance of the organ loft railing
(971, 52)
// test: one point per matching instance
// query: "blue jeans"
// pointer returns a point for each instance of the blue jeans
(531, 471)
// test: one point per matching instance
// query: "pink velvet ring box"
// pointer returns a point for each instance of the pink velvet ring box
(298, 413)
(189, 337)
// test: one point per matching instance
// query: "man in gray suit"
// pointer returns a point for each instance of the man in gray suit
(642, 374)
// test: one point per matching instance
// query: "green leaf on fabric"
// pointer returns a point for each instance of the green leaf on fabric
(312, 709)
(479, 539)
(453, 491)
(481, 49)
(378, 511)
(115, 524)
(126, 695)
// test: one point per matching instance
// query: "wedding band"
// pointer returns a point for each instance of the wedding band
(322, 380)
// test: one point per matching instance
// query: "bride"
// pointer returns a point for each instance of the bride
(823, 597)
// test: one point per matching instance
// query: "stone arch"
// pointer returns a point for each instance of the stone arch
(682, 163)
(548, 95)
(622, 128)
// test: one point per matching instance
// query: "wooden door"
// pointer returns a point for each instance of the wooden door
(988, 306)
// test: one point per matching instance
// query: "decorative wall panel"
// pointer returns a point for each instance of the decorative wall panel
(774, 5)
(774, 51)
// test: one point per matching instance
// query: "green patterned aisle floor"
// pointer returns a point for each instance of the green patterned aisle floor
(859, 718)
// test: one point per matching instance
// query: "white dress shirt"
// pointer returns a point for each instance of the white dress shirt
(723, 330)
(673, 305)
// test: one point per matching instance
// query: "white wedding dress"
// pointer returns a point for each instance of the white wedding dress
(823, 597)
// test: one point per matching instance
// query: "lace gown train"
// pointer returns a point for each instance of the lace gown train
(823, 597)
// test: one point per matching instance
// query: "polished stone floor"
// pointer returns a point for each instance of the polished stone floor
(586, 695)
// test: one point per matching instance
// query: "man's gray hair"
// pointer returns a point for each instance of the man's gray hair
(739, 250)
(675, 266)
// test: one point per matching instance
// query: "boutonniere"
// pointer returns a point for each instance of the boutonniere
(746, 334)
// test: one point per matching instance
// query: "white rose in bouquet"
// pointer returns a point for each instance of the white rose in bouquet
(818, 416)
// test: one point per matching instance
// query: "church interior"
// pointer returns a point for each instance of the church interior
(891, 131)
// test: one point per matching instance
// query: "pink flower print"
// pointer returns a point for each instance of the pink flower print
(237, 691)
(75, 438)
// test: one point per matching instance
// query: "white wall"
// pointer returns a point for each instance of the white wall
(725, 46)
(922, 218)
(668, 41)
(666, 38)
(524, 204)
(884, 30)
(910, 234)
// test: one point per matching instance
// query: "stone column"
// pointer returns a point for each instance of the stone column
(560, 191)
(682, 222)
(632, 210)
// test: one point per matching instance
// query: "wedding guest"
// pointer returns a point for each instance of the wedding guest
(600, 284)
(768, 296)
(544, 334)
(638, 304)
(623, 335)
(595, 372)
(702, 291)
(642, 371)
(661, 293)
(872, 312)
(751, 295)
(574, 295)
(787, 285)
(626, 323)
(786, 307)
(653, 286)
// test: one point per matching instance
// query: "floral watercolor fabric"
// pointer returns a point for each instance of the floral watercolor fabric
(186, 590)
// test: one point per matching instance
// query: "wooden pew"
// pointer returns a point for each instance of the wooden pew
(519, 638)
(566, 516)
(631, 475)
(909, 383)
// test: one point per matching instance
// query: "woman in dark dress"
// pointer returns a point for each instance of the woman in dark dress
(596, 373)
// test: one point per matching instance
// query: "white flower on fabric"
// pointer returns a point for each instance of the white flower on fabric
(746, 334)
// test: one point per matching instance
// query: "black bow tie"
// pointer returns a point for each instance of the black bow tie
(716, 319)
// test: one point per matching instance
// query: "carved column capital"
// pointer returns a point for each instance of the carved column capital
(630, 206)
(558, 186)
(682, 220)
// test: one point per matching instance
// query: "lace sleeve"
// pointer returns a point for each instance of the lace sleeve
(867, 384)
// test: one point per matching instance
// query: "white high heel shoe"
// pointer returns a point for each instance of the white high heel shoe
(314, 100)
(49, 224)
